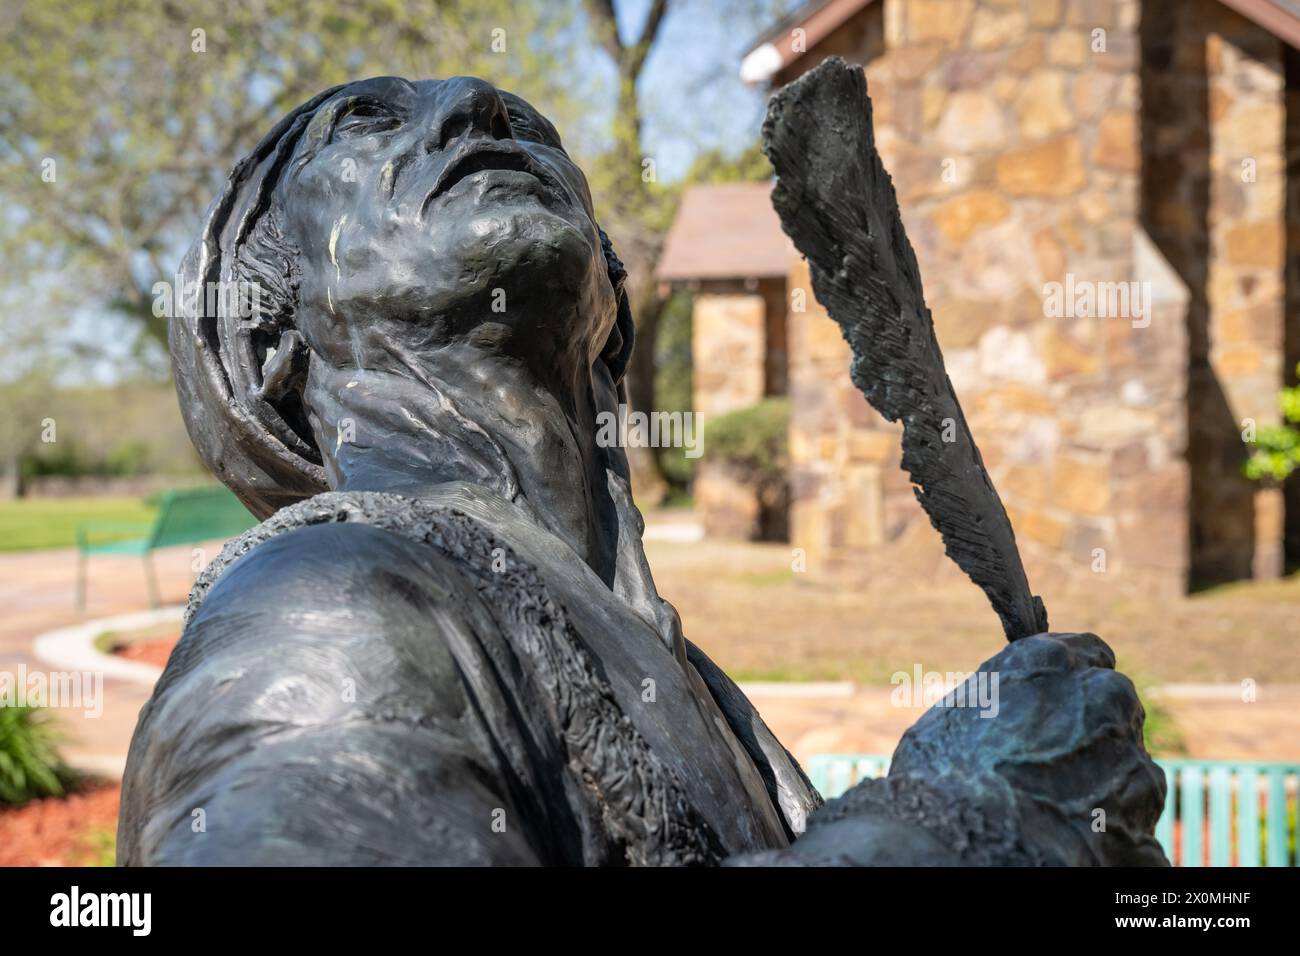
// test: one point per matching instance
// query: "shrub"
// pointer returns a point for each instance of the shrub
(61, 458)
(1275, 452)
(29, 761)
(66, 458)
(673, 383)
(129, 458)
(753, 441)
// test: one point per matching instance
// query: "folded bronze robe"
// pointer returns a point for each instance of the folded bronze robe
(372, 679)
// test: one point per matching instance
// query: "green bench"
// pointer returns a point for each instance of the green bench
(1220, 812)
(184, 517)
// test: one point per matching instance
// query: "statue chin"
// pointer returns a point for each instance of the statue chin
(516, 243)
(514, 263)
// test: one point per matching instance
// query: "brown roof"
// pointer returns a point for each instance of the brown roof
(1279, 17)
(726, 231)
(774, 50)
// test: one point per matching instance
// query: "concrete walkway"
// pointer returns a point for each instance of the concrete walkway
(37, 593)
(1214, 726)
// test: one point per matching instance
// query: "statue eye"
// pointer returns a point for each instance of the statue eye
(363, 119)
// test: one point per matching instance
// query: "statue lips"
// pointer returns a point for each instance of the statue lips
(478, 155)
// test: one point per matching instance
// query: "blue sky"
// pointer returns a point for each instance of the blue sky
(691, 91)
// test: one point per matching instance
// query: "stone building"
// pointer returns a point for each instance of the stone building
(727, 245)
(1104, 198)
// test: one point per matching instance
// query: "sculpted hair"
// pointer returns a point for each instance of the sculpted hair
(269, 259)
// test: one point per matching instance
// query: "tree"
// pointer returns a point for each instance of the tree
(26, 386)
(119, 120)
(1275, 449)
(636, 208)
(635, 211)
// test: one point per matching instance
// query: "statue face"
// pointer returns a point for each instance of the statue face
(443, 212)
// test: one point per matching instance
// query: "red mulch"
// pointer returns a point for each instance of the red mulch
(60, 831)
(72, 830)
(151, 652)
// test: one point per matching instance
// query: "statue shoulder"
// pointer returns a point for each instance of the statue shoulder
(290, 533)
(322, 684)
(324, 674)
(318, 566)
(331, 594)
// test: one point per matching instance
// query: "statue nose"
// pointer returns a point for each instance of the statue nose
(469, 106)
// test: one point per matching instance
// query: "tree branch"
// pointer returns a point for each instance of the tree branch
(604, 22)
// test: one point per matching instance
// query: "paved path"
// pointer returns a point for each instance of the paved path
(37, 594)
(1214, 727)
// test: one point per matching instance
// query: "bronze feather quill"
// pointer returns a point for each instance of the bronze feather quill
(837, 203)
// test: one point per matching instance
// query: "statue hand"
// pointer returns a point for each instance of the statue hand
(1050, 725)
(1037, 759)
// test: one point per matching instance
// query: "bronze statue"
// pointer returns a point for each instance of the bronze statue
(443, 644)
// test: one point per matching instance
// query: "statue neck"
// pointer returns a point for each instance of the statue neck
(462, 415)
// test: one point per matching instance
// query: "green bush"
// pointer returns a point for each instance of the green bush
(29, 761)
(1275, 452)
(66, 459)
(129, 458)
(753, 441)
(673, 384)
(60, 458)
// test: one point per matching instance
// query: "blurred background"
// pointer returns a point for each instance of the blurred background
(1104, 199)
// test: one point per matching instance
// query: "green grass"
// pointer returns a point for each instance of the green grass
(99, 848)
(1284, 590)
(1161, 733)
(763, 579)
(27, 524)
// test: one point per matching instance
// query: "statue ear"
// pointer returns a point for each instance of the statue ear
(618, 347)
(286, 370)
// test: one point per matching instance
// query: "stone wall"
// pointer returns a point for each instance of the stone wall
(728, 346)
(1291, 149)
(1213, 199)
(739, 345)
(1012, 130)
(1245, 293)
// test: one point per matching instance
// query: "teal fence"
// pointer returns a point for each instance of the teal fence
(1217, 812)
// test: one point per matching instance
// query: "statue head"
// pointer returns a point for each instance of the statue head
(383, 224)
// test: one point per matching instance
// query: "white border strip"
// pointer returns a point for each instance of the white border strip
(73, 648)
